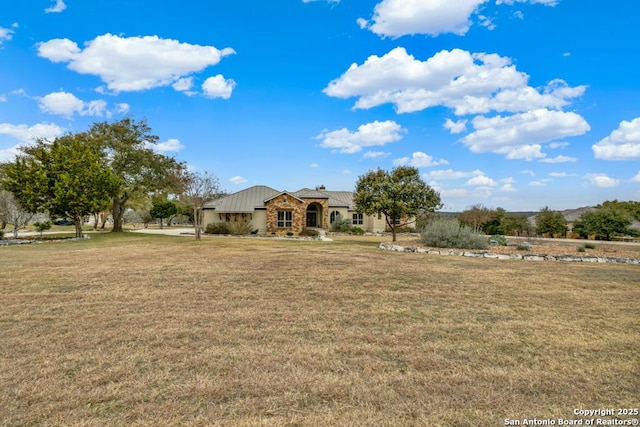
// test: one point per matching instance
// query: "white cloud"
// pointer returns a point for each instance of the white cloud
(560, 174)
(375, 154)
(346, 172)
(396, 18)
(544, 2)
(451, 174)
(601, 180)
(455, 127)
(537, 184)
(528, 172)
(481, 181)
(419, 160)
(468, 83)
(622, 144)
(313, 165)
(183, 84)
(3, 98)
(555, 145)
(7, 33)
(170, 145)
(508, 188)
(28, 134)
(218, 87)
(133, 63)
(238, 180)
(636, 178)
(559, 159)
(519, 136)
(66, 104)
(486, 22)
(59, 6)
(459, 193)
(9, 154)
(371, 134)
(122, 108)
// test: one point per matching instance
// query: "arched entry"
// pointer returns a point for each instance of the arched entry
(314, 215)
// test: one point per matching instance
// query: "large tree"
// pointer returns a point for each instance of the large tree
(163, 209)
(140, 170)
(604, 222)
(199, 189)
(550, 222)
(476, 217)
(400, 195)
(67, 177)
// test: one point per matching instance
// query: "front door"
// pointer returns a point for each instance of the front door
(312, 219)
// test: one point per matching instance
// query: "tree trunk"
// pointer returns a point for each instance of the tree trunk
(118, 212)
(3, 224)
(77, 221)
(96, 220)
(197, 222)
(160, 223)
(392, 227)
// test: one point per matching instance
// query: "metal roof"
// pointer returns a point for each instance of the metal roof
(253, 198)
(244, 201)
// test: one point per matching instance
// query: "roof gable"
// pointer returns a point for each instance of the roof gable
(281, 194)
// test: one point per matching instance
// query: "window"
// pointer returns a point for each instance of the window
(335, 216)
(357, 219)
(285, 219)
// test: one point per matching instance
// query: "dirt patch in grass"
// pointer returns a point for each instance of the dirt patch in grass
(150, 330)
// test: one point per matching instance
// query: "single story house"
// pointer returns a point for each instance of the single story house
(272, 211)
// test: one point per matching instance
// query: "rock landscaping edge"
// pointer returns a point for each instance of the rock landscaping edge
(527, 257)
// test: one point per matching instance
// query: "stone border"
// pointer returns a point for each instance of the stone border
(526, 257)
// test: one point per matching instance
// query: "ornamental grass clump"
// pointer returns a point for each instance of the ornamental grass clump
(449, 233)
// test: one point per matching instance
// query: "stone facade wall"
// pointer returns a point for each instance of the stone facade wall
(298, 209)
(324, 203)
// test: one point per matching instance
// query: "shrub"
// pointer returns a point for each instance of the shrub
(523, 247)
(1, 234)
(356, 230)
(217, 228)
(42, 226)
(581, 249)
(589, 246)
(239, 226)
(254, 232)
(449, 233)
(498, 239)
(341, 224)
(309, 232)
(289, 233)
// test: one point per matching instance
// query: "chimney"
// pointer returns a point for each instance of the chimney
(322, 188)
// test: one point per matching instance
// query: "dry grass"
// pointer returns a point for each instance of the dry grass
(157, 330)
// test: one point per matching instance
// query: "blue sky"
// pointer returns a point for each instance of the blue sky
(513, 103)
